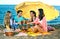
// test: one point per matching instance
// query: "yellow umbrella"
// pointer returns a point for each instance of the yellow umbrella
(49, 11)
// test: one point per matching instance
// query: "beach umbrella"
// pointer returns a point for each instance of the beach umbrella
(49, 11)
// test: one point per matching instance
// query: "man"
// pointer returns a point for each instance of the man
(19, 17)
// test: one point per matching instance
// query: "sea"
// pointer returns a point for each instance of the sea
(4, 8)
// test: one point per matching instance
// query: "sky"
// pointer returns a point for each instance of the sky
(14, 2)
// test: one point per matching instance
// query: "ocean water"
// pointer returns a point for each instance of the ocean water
(4, 8)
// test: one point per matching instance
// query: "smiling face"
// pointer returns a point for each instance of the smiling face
(31, 14)
(20, 14)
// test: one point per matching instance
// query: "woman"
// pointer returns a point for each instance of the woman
(33, 16)
(41, 20)
(7, 19)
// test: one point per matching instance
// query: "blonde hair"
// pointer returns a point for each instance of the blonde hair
(7, 19)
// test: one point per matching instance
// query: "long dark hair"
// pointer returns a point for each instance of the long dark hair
(41, 15)
(34, 15)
